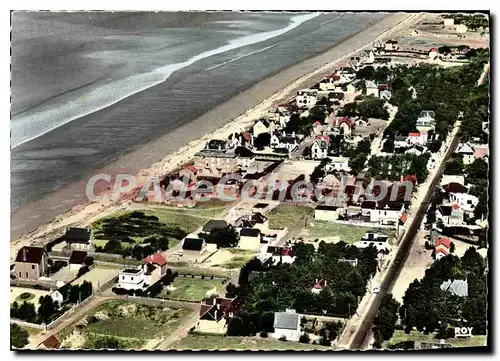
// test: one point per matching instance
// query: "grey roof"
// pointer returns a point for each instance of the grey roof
(192, 244)
(249, 232)
(457, 287)
(288, 321)
(78, 235)
(214, 224)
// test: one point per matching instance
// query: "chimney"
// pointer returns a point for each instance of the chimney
(214, 301)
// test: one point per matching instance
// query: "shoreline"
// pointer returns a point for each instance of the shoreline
(45, 215)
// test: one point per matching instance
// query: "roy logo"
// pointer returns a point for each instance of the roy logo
(463, 331)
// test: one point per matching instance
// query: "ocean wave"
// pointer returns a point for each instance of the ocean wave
(37, 122)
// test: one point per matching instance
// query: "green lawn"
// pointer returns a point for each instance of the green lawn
(132, 324)
(347, 233)
(216, 342)
(400, 336)
(289, 216)
(191, 289)
(208, 272)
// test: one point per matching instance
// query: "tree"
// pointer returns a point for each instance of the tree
(282, 338)
(163, 243)
(364, 146)
(14, 310)
(267, 322)
(388, 146)
(27, 312)
(47, 309)
(235, 327)
(325, 299)
(231, 290)
(262, 140)
(18, 336)
(251, 329)
(89, 261)
(222, 237)
(385, 321)
(82, 271)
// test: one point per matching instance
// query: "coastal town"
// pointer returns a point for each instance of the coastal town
(350, 215)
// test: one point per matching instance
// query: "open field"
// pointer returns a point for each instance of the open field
(400, 336)
(129, 325)
(230, 258)
(15, 292)
(98, 276)
(286, 215)
(216, 342)
(190, 289)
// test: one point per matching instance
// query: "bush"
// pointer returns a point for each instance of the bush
(263, 334)
(282, 338)
(18, 336)
(304, 338)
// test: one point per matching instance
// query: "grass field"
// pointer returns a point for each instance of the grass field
(200, 271)
(131, 324)
(289, 216)
(191, 289)
(400, 336)
(347, 233)
(15, 292)
(216, 342)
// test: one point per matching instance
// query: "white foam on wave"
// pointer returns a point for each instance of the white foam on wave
(32, 125)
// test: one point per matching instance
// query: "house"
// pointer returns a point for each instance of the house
(214, 224)
(386, 95)
(448, 21)
(467, 153)
(450, 215)
(160, 263)
(284, 141)
(50, 343)
(249, 239)
(77, 260)
(326, 213)
(391, 45)
(283, 255)
(214, 315)
(467, 202)
(61, 294)
(193, 247)
(481, 152)
(433, 53)
(329, 82)
(371, 88)
(416, 149)
(306, 98)
(318, 286)
(458, 288)
(340, 164)
(215, 163)
(383, 213)
(377, 240)
(352, 262)
(189, 173)
(368, 57)
(31, 263)
(447, 179)
(343, 124)
(259, 221)
(79, 238)
(263, 126)
(132, 279)
(415, 138)
(287, 324)
(319, 149)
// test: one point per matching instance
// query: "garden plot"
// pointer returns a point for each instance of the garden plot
(32, 295)
(97, 276)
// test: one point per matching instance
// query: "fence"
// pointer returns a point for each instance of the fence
(27, 324)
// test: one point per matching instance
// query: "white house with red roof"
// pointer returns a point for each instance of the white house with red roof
(319, 149)
(318, 286)
(417, 138)
(190, 173)
(343, 124)
(433, 53)
(160, 263)
(442, 248)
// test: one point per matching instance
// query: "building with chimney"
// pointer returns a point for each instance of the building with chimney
(31, 263)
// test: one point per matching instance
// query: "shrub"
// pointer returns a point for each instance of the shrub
(282, 338)
(304, 338)
(263, 334)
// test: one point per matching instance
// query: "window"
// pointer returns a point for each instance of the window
(132, 278)
(26, 274)
(19, 274)
(32, 266)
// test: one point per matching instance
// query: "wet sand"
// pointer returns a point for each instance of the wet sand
(252, 103)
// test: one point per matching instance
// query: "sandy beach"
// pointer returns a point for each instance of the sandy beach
(43, 218)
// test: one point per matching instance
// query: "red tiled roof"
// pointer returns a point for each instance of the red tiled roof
(157, 258)
(434, 49)
(319, 285)
(443, 241)
(455, 206)
(404, 217)
(317, 122)
(414, 134)
(246, 135)
(345, 120)
(192, 168)
(480, 153)
(326, 138)
(443, 250)
(51, 342)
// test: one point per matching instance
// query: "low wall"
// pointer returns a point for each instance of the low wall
(27, 324)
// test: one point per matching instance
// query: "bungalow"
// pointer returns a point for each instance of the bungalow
(263, 126)
(189, 173)
(259, 221)
(415, 138)
(214, 315)
(450, 215)
(378, 240)
(77, 260)
(132, 278)
(329, 82)
(326, 213)
(383, 213)
(249, 239)
(61, 294)
(160, 263)
(318, 286)
(306, 98)
(340, 164)
(417, 149)
(458, 288)
(193, 247)
(78, 238)
(31, 263)
(467, 153)
(319, 149)
(467, 202)
(442, 248)
(391, 45)
(371, 88)
(343, 124)
(283, 255)
(447, 179)
(433, 53)
(284, 141)
(287, 324)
